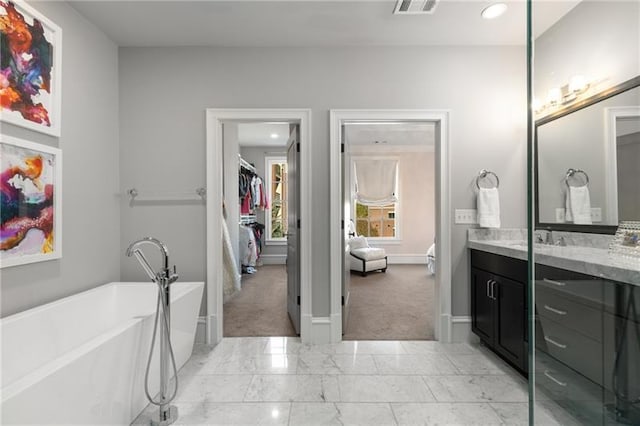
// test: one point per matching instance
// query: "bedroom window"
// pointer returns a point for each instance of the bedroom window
(376, 222)
(375, 197)
(276, 214)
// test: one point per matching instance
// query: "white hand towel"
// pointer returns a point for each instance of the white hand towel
(578, 205)
(489, 208)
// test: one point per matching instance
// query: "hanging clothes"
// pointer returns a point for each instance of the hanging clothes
(248, 247)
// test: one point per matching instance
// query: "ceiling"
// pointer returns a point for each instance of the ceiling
(311, 23)
(390, 137)
(263, 134)
(360, 137)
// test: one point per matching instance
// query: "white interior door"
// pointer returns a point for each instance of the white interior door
(346, 220)
(293, 229)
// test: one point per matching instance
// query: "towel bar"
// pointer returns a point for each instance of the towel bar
(483, 174)
(571, 173)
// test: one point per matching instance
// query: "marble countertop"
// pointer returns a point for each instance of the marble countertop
(591, 260)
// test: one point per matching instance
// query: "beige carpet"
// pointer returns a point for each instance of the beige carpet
(396, 305)
(260, 309)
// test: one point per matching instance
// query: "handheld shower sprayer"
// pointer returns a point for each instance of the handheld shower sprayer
(163, 278)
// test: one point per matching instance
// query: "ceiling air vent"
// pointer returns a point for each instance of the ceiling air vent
(414, 7)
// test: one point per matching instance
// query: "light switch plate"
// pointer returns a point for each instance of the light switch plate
(466, 216)
(560, 215)
(596, 214)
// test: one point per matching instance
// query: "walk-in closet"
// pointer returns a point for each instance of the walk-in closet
(255, 195)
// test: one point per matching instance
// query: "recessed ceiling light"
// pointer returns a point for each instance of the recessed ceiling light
(493, 11)
(274, 136)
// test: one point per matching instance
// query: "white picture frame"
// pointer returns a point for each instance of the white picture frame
(29, 196)
(40, 111)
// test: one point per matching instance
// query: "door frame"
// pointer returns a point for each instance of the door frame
(338, 117)
(214, 118)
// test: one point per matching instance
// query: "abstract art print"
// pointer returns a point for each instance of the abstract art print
(30, 202)
(30, 68)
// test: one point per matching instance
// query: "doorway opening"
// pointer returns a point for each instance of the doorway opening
(389, 199)
(260, 199)
(342, 212)
(257, 243)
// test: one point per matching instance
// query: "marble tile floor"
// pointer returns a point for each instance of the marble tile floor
(279, 380)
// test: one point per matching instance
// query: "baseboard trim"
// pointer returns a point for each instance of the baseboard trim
(273, 259)
(213, 336)
(320, 330)
(461, 329)
(201, 331)
(336, 328)
(407, 259)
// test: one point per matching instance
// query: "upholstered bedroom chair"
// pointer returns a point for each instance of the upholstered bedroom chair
(365, 258)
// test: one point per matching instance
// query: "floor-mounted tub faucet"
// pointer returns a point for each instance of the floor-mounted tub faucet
(168, 413)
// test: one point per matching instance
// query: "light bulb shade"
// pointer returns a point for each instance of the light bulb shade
(577, 83)
(554, 96)
(536, 105)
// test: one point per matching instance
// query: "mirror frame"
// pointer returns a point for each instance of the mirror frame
(591, 100)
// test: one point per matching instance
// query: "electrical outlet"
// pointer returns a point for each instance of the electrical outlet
(466, 216)
(596, 214)
(560, 215)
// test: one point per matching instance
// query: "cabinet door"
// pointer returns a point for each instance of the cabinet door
(509, 319)
(481, 305)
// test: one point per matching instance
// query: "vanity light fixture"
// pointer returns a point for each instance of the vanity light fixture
(493, 11)
(578, 84)
(554, 96)
(576, 88)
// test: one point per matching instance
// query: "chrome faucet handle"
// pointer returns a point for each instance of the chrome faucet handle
(549, 238)
(539, 238)
(561, 242)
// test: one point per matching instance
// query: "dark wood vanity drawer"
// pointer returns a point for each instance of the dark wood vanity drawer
(575, 316)
(579, 288)
(580, 353)
(578, 395)
(508, 267)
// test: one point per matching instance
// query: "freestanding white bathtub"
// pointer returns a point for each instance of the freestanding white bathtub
(81, 359)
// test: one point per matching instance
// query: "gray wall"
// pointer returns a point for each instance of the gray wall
(598, 39)
(164, 92)
(628, 172)
(89, 143)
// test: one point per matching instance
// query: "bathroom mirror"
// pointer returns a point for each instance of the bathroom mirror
(594, 142)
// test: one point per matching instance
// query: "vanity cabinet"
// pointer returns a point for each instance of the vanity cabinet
(498, 305)
(588, 344)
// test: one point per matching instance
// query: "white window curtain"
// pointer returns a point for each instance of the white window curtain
(376, 181)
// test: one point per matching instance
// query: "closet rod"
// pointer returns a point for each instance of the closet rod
(244, 163)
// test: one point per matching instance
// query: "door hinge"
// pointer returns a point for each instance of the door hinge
(342, 224)
(342, 147)
(298, 223)
(342, 301)
(298, 147)
(298, 300)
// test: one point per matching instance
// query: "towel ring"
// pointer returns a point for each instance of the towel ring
(483, 174)
(572, 172)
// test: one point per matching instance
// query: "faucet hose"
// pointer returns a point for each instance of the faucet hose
(153, 342)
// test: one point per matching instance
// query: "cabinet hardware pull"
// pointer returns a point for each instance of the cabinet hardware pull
(553, 342)
(553, 379)
(554, 310)
(488, 292)
(493, 290)
(558, 283)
